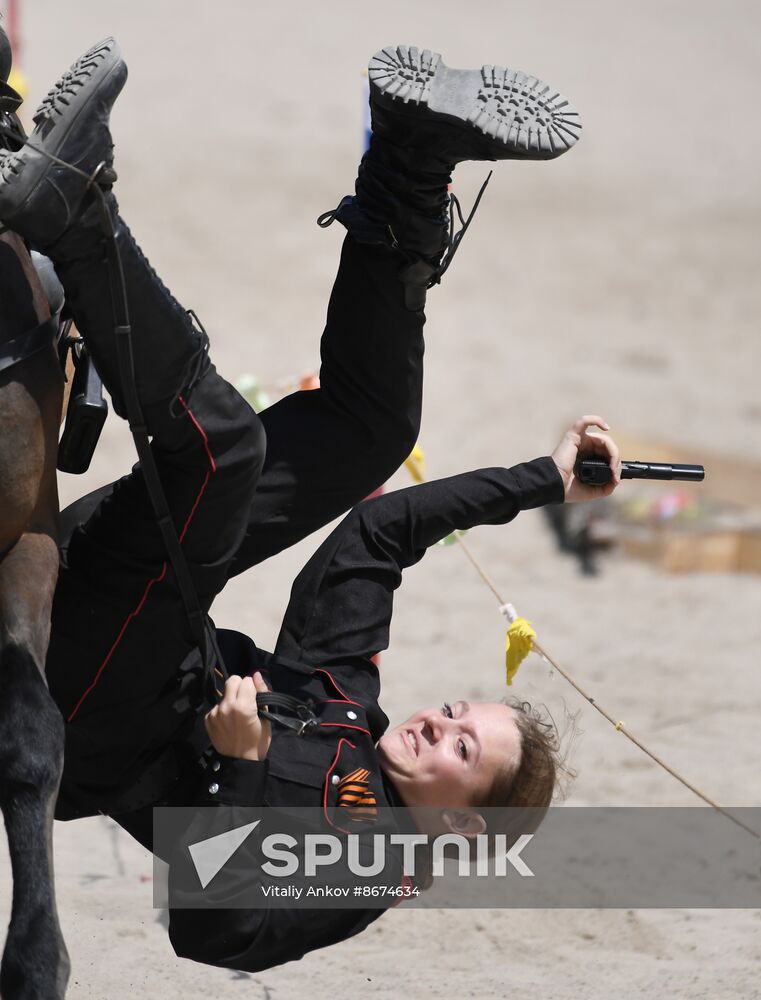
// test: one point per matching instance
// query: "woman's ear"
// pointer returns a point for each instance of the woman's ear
(466, 822)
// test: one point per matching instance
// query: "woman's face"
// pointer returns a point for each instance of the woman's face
(449, 756)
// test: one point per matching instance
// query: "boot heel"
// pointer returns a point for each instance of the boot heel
(404, 72)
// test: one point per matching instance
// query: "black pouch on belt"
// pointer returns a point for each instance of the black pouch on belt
(85, 415)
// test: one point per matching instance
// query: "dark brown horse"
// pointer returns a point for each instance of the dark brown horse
(31, 729)
(35, 963)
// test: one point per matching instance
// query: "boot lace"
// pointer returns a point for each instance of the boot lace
(455, 236)
(193, 371)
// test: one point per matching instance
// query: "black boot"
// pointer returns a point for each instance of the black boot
(426, 118)
(170, 354)
(46, 195)
(43, 186)
(454, 114)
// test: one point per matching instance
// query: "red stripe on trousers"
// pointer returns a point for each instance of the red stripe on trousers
(156, 579)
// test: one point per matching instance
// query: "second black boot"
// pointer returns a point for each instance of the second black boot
(47, 196)
(170, 354)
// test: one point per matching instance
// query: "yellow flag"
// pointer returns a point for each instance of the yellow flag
(415, 464)
(17, 80)
(518, 643)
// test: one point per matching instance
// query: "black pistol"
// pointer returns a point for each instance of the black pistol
(596, 471)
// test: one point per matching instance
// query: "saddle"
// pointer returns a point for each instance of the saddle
(87, 409)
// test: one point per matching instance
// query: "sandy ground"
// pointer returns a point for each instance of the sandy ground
(621, 279)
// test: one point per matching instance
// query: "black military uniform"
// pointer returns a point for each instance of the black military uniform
(120, 638)
(338, 617)
(122, 665)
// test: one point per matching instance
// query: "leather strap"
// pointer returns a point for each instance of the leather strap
(29, 343)
(305, 720)
(198, 622)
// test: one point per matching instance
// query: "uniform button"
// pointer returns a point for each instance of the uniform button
(335, 779)
(351, 715)
(213, 788)
(216, 765)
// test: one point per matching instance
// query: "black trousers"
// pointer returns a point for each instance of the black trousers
(119, 636)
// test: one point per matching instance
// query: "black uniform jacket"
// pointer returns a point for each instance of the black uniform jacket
(337, 619)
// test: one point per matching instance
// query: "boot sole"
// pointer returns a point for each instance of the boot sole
(37, 167)
(521, 116)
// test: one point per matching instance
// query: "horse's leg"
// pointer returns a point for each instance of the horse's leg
(35, 963)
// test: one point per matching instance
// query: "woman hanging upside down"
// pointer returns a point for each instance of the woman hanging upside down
(123, 666)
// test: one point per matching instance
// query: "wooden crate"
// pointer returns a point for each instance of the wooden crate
(704, 551)
(750, 552)
(731, 482)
